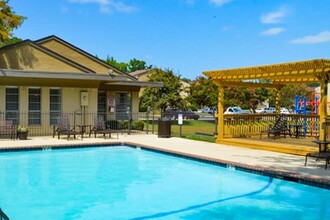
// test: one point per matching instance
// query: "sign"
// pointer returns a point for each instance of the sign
(111, 101)
(180, 119)
(84, 98)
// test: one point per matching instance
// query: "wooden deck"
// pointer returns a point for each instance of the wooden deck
(296, 146)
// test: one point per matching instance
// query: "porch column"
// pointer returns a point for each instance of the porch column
(221, 126)
(278, 100)
(323, 107)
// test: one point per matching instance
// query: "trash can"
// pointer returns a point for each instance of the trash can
(164, 127)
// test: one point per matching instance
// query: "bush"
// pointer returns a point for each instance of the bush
(136, 125)
(143, 109)
(124, 125)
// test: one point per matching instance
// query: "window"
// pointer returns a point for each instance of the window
(101, 103)
(55, 104)
(12, 104)
(123, 106)
(34, 106)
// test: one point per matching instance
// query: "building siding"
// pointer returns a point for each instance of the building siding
(75, 56)
(27, 57)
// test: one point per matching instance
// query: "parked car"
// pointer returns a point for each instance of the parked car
(269, 110)
(285, 111)
(208, 110)
(186, 114)
(235, 110)
(272, 110)
(259, 110)
(266, 110)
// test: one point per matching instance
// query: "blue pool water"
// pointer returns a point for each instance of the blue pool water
(129, 183)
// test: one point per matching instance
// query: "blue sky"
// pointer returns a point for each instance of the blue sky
(187, 36)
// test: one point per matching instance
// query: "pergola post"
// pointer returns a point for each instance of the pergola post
(221, 121)
(323, 108)
(278, 100)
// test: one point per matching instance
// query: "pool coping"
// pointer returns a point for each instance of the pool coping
(283, 175)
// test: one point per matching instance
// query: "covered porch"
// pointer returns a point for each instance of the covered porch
(238, 129)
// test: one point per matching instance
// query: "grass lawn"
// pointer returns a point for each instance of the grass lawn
(192, 129)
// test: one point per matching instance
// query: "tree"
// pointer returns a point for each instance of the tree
(8, 22)
(246, 98)
(112, 62)
(134, 65)
(166, 97)
(203, 92)
(289, 92)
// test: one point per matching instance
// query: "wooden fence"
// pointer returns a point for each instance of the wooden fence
(252, 124)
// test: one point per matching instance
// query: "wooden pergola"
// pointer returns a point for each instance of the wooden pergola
(273, 76)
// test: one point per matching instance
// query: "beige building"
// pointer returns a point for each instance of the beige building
(42, 79)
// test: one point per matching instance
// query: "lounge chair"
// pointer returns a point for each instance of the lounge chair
(63, 127)
(7, 127)
(322, 154)
(101, 128)
(280, 127)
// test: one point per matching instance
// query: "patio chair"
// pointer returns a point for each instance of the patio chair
(7, 127)
(322, 154)
(63, 127)
(280, 127)
(101, 128)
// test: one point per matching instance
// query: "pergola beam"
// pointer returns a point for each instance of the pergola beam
(246, 84)
(257, 72)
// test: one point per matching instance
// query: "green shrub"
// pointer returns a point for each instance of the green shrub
(143, 109)
(135, 125)
(124, 124)
(138, 125)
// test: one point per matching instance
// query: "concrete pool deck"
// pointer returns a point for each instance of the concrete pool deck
(260, 160)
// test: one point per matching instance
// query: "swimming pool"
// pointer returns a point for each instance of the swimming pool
(129, 183)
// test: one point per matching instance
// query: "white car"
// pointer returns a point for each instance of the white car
(269, 110)
(234, 110)
(259, 110)
(285, 111)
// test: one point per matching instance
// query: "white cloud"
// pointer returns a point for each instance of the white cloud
(108, 5)
(119, 6)
(313, 39)
(219, 2)
(274, 17)
(272, 31)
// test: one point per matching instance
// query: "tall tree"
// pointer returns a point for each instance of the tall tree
(246, 98)
(166, 97)
(134, 65)
(203, 92)
(8, 22)
(112, 62)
